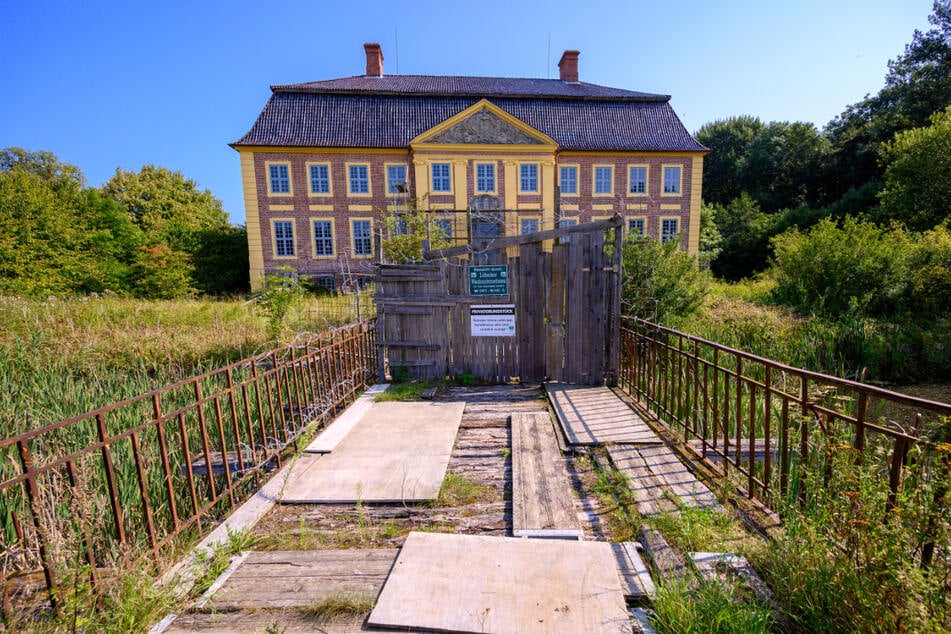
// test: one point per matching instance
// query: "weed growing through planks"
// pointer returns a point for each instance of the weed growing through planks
(458, 490)
(404, 391)
(339, 607)
(710, 608)
(506, 452)
(211, 563)
(710, 530)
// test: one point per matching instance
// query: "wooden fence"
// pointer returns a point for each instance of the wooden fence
(764, 423)
(141, 475)
(563, 302)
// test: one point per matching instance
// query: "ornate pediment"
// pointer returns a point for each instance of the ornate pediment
(483, 123)
(485, 127)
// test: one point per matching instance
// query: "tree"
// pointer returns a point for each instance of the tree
(729, 141)
(917, 188)
(918, 84)
(168, 207)
(745, 232)
(56, 237)
(660, 282)
(781, 167)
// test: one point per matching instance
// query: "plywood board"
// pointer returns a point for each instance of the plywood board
(397, 452)
(289, 621)
(542, 505)
(596, 416)
(331, 436)
(471, 583)
(287, 579)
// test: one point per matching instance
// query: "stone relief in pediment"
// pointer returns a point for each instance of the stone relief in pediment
(485, 127)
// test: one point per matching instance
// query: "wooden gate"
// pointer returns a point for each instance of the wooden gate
(564, 303)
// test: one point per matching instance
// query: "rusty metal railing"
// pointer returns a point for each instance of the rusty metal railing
(143, 474)
(764, 423)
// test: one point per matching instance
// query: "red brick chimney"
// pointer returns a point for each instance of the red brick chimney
(567, 67)
(375, 60)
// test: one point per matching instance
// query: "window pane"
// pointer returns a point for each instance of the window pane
(444, 226)
(280, 179)
(569, 180)
(485, 178)
(529, 225)
(395, 178)
(636, 226)
(671, 180)
(668, 229)
(602, 180)
(362, 237)
(359, 179)
(319, 179)
(567, 222)
(638, 180)
(529, 178)
(441, 182)
(323, 237)
(283, 238)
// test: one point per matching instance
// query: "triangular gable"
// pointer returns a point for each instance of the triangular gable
(483, 123)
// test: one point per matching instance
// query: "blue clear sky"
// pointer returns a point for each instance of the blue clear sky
(124, 84)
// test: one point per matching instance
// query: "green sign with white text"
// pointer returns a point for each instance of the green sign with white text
(489, 280)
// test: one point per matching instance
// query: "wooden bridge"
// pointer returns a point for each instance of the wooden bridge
(540, 561)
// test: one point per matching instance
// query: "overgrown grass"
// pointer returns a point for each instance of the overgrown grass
(743, 316)
(402, 391)
(458, 490)
(709, 608)
(338, 607)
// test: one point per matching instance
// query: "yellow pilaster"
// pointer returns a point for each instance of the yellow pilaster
(421, 172)
(510, 169)
(696, 186)
(548, 199)
(459, 184)
(252, 220)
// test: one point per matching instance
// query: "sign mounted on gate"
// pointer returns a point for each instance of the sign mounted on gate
(489, 279)
(492, 320)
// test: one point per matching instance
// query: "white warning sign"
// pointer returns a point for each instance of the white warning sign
(492, 320)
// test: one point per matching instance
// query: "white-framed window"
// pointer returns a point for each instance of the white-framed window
(568, 179)
(283, 231)
(442, 180)
(528, 177)
(362, 232)
(485, 177)
(669, 228)
(319, 178)
(635, 227)
(671, 179)
(528, 225)
(603, 179)
(567, 222)
(326, 283)
(444, 227)
(323, 238)
(279, 178)
(637, 179)
(359, 179)
(395, 179)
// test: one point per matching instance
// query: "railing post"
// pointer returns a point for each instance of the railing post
(33, 499)
(110, 478)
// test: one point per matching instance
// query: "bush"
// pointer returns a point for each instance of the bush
(660, 282)
(834, 271)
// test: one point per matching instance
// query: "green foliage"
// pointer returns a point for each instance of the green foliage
(660, 282)
(221, 261)
(857, 268)
(168, 207)
(160, 273)
(745, 234)
(711, 240)
(917, 185)
(782, 167)
(709, 608)
(281, 291)
(929, 271)
(406, 229)
(730, 141)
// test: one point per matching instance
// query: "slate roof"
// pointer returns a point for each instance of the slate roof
(389, 111)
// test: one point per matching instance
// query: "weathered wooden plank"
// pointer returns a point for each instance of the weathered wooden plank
(419, 344)
(759, 455)
(470, 583)
(396, 309)
(595, 415)
(288, 621)
(650, 493)
(542, 505)
(719, 567)
(555, 315)
(283, 579)
(635, 579)
(668, 468)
